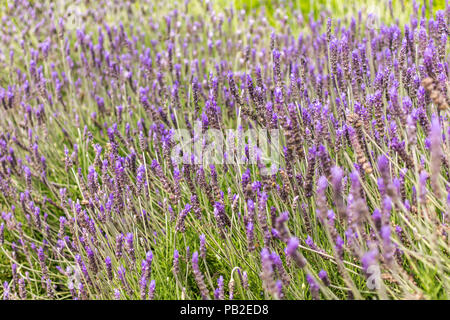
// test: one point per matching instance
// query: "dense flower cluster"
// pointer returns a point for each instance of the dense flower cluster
(94, 206)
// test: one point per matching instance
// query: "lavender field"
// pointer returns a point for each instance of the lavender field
(251, 150)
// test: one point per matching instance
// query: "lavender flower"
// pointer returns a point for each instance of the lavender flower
(5, 290)
(108, 268)
(291, 251)
(151, 290)
(250, 237)
(117, 294)
(324, 277)
(219, 293)
(130, 246)
(313, 287)
(182, 216)
(199, 277)
(119, 246)
(176, 262)
(202, 246)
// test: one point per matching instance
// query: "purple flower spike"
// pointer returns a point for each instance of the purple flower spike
(199, 277)
(324, 277)
(130, 246)
(151, 290)
(176, 261)
(202, 246)
(313, 287)
(292, 246)
(108, 268)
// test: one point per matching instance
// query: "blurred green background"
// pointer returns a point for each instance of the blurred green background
(336, 6)
(388, 11)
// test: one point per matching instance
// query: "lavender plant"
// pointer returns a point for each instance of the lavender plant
(99, 202)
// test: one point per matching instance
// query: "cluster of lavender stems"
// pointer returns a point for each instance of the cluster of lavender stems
(94, 206)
